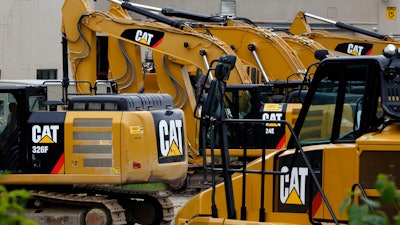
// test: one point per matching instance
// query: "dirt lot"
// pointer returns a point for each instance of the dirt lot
(180, 199)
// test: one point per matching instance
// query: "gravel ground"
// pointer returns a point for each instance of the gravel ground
(180, 199)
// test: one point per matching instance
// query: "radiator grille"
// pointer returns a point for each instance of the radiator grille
(93, 140)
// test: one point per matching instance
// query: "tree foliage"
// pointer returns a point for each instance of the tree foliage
(369, 212)
(12, 207)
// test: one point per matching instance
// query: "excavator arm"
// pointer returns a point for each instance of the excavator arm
(257, 47)
(81, 24)
(368, 43)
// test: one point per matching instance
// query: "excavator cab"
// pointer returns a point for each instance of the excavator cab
(338, 108)
(17, 103)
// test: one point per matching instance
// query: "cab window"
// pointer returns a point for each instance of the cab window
(8, 110)
(334, 114)
(37, 103)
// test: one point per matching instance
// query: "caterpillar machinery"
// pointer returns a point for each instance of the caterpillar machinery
(368, 43)
(73, 160)
(178, 49)
(346, 134)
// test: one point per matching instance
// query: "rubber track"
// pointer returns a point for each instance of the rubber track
(160, 196)
(114, 209)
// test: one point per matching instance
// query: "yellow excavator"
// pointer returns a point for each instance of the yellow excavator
(368, 43)
(172, 63)
(346, 134)
(73, 160)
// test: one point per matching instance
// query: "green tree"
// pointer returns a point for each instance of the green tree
(369, 212)
(12, 207)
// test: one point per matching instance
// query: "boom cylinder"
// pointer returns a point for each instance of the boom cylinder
(348, 27)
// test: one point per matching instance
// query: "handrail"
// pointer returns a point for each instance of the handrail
(299, 152)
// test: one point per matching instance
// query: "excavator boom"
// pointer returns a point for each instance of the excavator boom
(347, 26)
(368, 43)
(257, 47)
(82, 23)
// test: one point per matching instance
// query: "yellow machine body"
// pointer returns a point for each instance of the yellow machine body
(342, 166)
(120, 164)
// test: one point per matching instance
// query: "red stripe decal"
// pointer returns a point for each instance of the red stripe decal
(281, 142)
(59, 164)
(316, 203)
(157, 43)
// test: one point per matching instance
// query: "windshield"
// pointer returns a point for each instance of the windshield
(335, 111)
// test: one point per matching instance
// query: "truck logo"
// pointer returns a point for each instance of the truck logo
(150, 38)
(292, 188)
(355, 48)
(45, 134)
(171, 137)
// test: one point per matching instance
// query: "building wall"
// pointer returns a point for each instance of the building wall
(285, 10)
(30, 29)
(30, 37)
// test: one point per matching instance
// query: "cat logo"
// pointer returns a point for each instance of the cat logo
(171, 137)
(150, 38)
(272, 116)
(355, 48)
(143, 37)
(45, 134)
(293, 186)
(272, 112)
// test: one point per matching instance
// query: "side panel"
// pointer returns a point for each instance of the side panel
(295, 190)
(153, 146)
(334, 166)
(274, 132)
(170, 136)
(45, 142)
(92, 142)
(340, 173)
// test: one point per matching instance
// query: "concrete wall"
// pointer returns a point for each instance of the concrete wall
(30, 37)
(30, 29)
(368, 14)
